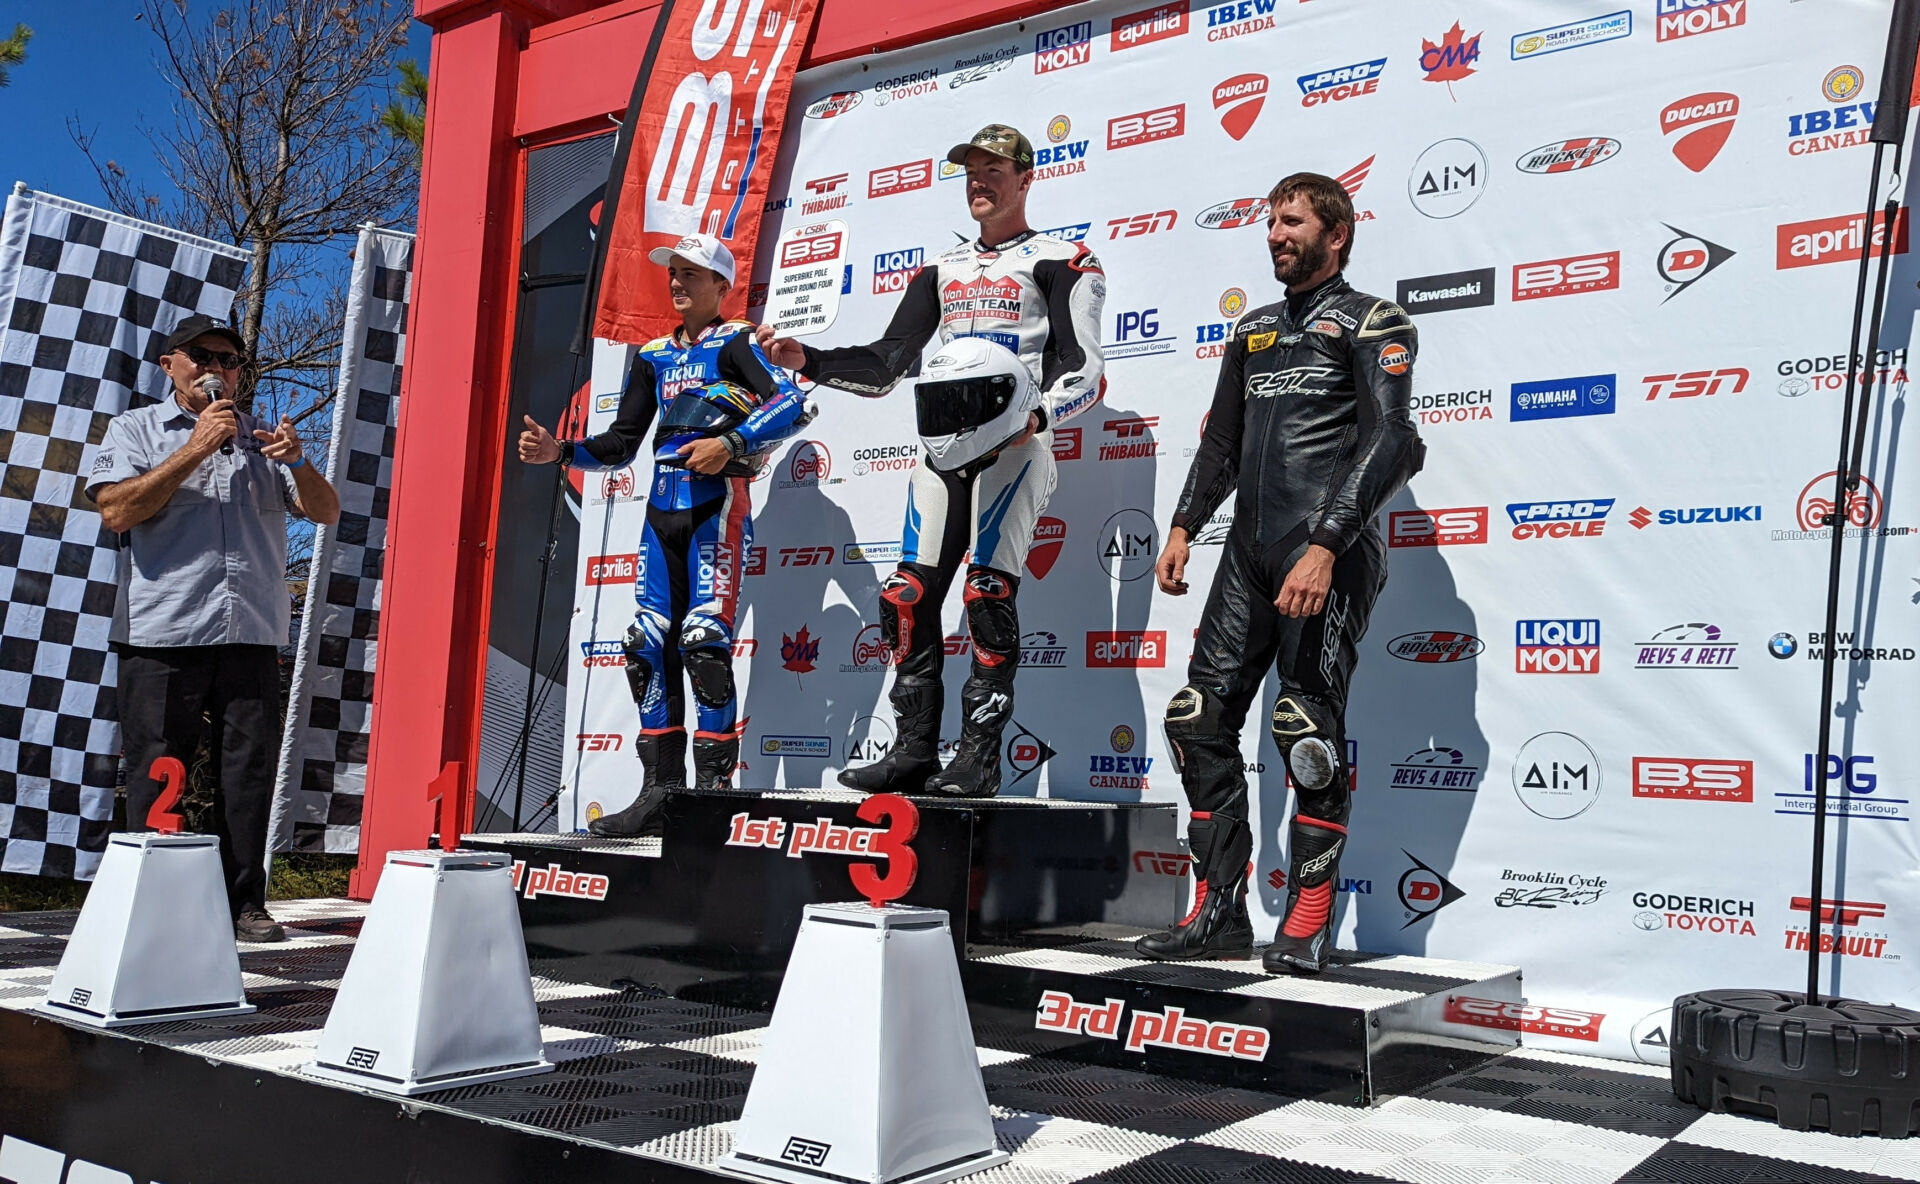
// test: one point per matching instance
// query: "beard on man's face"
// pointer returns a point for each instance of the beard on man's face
(1297, 268)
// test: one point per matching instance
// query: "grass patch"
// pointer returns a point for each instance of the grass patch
(295, 877)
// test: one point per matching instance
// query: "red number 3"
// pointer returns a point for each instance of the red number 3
(172, 776)
(903, 823)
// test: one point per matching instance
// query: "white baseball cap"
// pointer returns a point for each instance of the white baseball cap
(701, 250)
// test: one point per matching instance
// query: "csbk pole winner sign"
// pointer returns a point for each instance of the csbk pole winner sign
(695, 153)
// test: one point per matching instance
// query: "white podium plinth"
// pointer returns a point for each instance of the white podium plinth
(154, 941)
(869, 1071)
(437, 993)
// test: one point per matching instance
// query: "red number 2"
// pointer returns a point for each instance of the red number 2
(172, 776)
(903, 823)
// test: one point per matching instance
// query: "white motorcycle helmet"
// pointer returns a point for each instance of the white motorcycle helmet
(972, 400)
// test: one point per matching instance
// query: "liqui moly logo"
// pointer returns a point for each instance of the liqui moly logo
(1058, 49)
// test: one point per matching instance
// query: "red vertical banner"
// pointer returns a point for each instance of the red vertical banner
(696, 152)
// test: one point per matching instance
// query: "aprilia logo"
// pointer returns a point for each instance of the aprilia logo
(1127, 648)
(1835, 240)
(1162, 123)
(1153, 24)
(1565, 277)
(1523, 1017)
(1688, 779)
(900, 178)
(1437, 528)
(612, 569)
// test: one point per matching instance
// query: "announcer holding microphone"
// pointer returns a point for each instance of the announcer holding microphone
(200, 490)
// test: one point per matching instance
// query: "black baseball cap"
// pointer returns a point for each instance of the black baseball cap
(199, 325)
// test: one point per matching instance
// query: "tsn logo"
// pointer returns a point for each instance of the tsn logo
(1503, 1014)
(598, 741)
(900, 178)
(1696, 382)
(1144, 127)
(1141, 224)
(806, 556)
(1566, 277)
(1689, 779)
(811, 248)
(1437, 528)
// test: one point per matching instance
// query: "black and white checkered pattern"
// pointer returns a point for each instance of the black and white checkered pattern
(323, 758)
(86, 299)
(665, 1079)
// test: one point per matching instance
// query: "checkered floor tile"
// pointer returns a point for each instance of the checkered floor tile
(666, 1078)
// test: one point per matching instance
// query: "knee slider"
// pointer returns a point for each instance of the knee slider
(900, 594)
(645, 640)
(1192, 714)
(706, 649)
(992, 617)
(1307, 733)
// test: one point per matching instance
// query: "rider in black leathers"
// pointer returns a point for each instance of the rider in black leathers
(1310, 422)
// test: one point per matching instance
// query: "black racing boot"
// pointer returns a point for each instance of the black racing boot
(1218, 925)
(714, 761)
(974, 771)
(1305, 940)
(664, 757)
(915, 754)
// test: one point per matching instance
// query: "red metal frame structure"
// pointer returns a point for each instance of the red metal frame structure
(505, 75)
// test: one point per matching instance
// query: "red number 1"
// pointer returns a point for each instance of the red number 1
(172, 776)
(903, 823)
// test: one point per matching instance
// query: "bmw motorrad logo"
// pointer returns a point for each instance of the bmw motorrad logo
(1782, 645)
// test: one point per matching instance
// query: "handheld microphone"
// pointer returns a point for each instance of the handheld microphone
(215, 387)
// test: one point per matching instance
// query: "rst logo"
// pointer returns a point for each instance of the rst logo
(1563, 1022)
(1437, 528)
(1148, 25)
(900, 178)
(1137, 225)
(894, 270)
(1343, 82)
(807, 249)
(1059, 49)
(1693, 383)
(1128, 648)
(1560, 520)
(1556, 645)
(1161, 123)
(1836, 240)
(1692, 779)
(613, 569)
(1565, 277)
(1688, 18)
(1239, 18)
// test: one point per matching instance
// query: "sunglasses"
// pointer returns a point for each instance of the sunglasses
(208, 357)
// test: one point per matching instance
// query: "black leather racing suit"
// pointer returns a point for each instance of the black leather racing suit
(1310, 422)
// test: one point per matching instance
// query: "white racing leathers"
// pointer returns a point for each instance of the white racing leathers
(1040, 297)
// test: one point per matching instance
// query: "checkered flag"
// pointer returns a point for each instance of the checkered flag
(323, 757)
(86, 299)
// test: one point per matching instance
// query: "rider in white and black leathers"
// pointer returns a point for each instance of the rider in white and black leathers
(1040, 297)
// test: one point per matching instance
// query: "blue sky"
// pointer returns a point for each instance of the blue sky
(90, 59)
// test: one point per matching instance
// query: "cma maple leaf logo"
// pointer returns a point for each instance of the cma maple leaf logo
(1452, 59)
(798, 651)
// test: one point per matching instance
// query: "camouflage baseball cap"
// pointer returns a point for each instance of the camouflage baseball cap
(998, 139)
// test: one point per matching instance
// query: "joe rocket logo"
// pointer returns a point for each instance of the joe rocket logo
(1432, 646)
(1231, 215)
(838, 103)
(1563, 398)
(1424, 891)
(1559, 520)
(1556, 645)
(1435, 767)
(602, 653)
(1564, 156)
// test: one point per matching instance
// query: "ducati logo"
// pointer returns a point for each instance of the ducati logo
(1239, 100)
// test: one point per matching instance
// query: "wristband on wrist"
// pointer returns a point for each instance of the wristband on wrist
(298, 463)
(565, 459)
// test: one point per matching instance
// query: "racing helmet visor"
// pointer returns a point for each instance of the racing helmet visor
(950, 407)
(707, 410)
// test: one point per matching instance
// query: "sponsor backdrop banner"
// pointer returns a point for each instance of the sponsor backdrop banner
(322, 777)
(1582, 725)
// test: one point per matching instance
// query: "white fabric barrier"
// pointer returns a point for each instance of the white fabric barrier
(1627, 239)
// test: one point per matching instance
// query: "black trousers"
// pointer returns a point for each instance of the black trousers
(163, 693)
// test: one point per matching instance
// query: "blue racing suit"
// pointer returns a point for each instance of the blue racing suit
(698, 528)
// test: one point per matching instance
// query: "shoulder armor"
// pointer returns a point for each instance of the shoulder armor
(1383, 318)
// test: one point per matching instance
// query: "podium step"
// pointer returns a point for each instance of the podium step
(1370, 1025)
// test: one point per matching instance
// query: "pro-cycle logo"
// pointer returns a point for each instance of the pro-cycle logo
(602, 653)
(1437, 528)
(1559, 520)
(553, 880)
(1239, 100)
(613, 569)
(1172, 1028)
(1507, 1016)
(1341, 82)
(1431, 646)
(1598, 272)
(1703, 122)
(1689, 18)
(1692, 779)
(838, 103)
(1148, 25)
(1837, 240)
(1556, 645)
(1835, 917)
(1142, 127)
(894, 270)
(1130, 648)
(1059, 49)
(900, 178)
